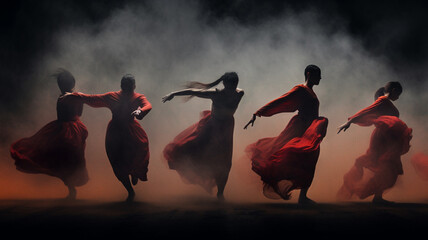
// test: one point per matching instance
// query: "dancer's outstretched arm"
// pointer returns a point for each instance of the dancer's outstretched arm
(190, 92)
(93, 100)
(288, 102)
(366, 116)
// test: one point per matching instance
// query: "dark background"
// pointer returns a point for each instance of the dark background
(396, 30)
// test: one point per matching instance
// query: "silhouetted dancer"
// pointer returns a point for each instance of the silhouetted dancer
(127, 145)
(58, 149)
(202, 154)
(288, 161)
(389, 140)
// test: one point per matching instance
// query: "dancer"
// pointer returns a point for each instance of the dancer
(126, 142)
(389, 140)
(288, 161)
(202, 154)
(58, 149)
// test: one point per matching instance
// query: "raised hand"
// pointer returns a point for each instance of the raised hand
(168, 97)
(253, 119)
(136, 112)
(344, 127)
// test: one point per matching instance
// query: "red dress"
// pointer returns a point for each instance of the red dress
(293, 154)
(389, 140)
(58, 149)
(202, 153)
(127, 145)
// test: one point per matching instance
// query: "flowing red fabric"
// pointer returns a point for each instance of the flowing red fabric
(381, 107)
(202, 152)
(293, 154)
(58, 148)
(127, 144)
(378, 169)
(420, 163)
(296, 160)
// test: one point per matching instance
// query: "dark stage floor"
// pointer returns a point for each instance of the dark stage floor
(206, 219)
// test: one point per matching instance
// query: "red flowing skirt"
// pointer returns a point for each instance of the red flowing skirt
(127, 148)
(202, 153)
(58, 149)
(291, 156)
(378, 169)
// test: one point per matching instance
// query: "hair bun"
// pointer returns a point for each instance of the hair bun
(380, 92)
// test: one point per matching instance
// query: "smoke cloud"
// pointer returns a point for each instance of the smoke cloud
(167, 43)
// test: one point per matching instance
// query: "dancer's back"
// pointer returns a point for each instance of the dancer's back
(68, 109)
(123, 104)
(226, 102)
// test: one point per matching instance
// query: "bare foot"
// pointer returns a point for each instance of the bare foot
(220, 197)
(131, 196)
(71, 193)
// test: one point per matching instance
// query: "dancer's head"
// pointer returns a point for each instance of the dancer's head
(230, 81)
(392, 89)
(127, 84)
(312, 74)
(65, 80)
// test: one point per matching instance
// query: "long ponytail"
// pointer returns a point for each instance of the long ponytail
(229, 79)
(200, 85)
